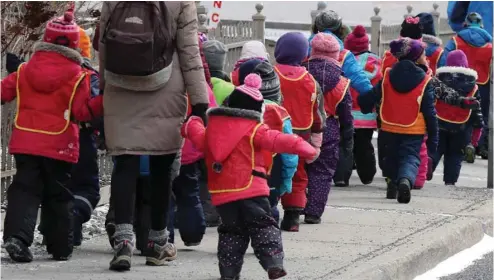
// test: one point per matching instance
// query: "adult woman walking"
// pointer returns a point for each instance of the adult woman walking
(149, 59)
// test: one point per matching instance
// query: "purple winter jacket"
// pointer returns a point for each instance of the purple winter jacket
(327, 73)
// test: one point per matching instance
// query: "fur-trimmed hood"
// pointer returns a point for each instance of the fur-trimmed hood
(227, 127)
(51, 67)
(235, 113)
(64, 51)
(461, 79)
(433, 40)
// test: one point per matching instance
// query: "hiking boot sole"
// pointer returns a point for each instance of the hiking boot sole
(404, 195)
(121, 263)
(158, 262)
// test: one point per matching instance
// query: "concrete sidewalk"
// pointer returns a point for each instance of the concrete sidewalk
(363, 236)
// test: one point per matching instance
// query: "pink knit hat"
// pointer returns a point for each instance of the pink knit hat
(247, 96)
(325, 46)
(63, 30)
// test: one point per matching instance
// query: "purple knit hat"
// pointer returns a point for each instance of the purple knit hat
(457, 58)
(291, 49)
(406, 48)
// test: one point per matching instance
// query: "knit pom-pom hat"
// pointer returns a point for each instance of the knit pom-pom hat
(358, 40)
(411, 28)
(63, 30)
(457, 58)
(406, 49)
(328, 20)
(324, 46)
(247, 96)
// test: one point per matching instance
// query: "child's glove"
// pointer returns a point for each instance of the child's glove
(316, 142)
(469, 103)
(199, 110)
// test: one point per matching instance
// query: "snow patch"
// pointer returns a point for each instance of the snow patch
(460, 261)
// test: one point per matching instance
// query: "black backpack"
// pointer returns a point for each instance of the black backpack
(137, 38)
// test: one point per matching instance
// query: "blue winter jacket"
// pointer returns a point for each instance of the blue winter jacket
(405, 76)
(458, 11)
(351, 68)
(289, 161)
(474, 36)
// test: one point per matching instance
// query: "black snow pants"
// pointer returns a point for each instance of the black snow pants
(45, 181)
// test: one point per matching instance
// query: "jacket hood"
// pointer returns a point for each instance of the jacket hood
(406, 75)
(431, 40)
(461, 79)
(326, 72)
(52, 66)
(226, 127)
(289, 71)
(475, 36)
(253, 49)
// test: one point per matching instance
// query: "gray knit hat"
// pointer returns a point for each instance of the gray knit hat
(328, 20)
(215, 53)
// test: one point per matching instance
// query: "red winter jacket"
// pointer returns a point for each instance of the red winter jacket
(52, 90)
(238, 151)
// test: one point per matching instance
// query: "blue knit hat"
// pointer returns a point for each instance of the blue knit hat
(291, 48)
(427, 21)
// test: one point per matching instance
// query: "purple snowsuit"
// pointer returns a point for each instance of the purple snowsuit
(327, 73)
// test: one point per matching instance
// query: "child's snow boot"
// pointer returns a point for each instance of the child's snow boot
(18, 250)
(291, 221)
(276, 273)
(391, 189)
(77, 229)
(470, 153)
(404, 195)
(430, 169)
(110, 231)
(312, 220)
(159, 250)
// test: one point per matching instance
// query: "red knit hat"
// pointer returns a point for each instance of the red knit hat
(63, 30)
(358, 40)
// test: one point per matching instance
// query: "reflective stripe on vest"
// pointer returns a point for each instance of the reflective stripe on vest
(67, 112)
(399, 112)
(253, 165)
(479, 58)
(343, 55)
(434, 59)
(454, 114)
(334, 97)
(298, 99)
